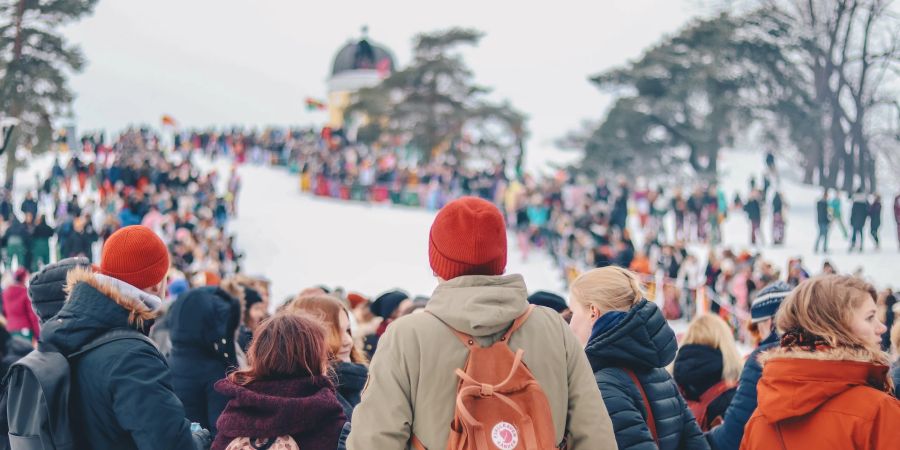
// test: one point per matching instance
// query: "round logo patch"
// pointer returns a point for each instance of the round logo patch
(505, 436)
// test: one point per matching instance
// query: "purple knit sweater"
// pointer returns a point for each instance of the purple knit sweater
(305, 408)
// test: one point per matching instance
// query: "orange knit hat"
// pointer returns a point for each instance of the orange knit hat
(468, 237)
(135, 255)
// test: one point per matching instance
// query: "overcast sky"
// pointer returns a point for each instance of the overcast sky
(252, 62)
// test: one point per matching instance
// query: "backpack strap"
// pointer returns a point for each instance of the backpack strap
(517, 323)
(651, 422)
(466, 339)
(710, 396)
(470, 341)
(116, 334)
(416, 443)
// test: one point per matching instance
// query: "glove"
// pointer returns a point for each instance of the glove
(202, 439)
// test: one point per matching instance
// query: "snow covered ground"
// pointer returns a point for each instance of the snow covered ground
(298, 240)
(881, 267)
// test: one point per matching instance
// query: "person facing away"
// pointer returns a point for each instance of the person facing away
(875, 220)
(629, 343)
(827, 386)
(859, 214)
(728, 435)
(412, 387)
(823, 219)
(121, 395)
(203, 324)
(348, 366)
(707, 369)
(285, 393)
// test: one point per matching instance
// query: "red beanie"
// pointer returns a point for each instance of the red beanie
(135, 255)
(468, 237)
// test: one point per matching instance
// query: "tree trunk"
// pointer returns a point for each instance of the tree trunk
(16, 110)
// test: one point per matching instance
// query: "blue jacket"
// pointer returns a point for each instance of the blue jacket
(728, 435)
(644, 343)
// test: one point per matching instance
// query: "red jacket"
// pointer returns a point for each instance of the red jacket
(832, 399)
(18, 312)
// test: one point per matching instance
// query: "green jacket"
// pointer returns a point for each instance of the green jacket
(412, 385)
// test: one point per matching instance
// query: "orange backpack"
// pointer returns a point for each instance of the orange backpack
(499, 404)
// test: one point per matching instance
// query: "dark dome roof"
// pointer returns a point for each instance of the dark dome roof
(362, 55)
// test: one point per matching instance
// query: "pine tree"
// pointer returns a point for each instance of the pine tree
(35, 61)
(435, 107)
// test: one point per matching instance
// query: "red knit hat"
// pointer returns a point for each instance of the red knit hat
(135, 255)
(468, 237)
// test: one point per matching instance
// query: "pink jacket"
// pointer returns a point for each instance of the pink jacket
(18, 312)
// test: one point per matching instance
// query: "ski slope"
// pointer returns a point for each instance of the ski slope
(297, 240)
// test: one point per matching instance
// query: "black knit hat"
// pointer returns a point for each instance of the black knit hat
(548, 299)
(385, 305)
(47, 287)
(251, 297)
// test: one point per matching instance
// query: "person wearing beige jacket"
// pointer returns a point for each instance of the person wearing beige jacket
(412, 385)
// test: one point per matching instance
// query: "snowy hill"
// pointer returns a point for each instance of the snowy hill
(298, 240)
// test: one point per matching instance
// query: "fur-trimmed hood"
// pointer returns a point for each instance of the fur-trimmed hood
(796, 382)
(96, 304)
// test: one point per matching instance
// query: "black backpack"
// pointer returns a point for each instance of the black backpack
(37, 395)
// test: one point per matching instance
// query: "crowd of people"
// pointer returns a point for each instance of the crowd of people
(169, 345)
(657, 231)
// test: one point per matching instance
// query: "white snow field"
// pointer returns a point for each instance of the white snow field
(298, 240)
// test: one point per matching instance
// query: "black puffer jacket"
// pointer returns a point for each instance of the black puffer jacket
(202, 326)
(697, 369)
(121, 396)
(644, 343)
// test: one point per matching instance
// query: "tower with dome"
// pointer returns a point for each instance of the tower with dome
(360, 63)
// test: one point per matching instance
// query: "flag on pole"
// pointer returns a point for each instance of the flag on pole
(314, 105)
(168, 121)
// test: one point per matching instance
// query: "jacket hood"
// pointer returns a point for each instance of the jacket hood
(642, 340)
(278, 407)
(95, 305)
(697, 368)
(794, 383)
(479, 305)
(202, 315)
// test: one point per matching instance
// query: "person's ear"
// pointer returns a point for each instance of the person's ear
(595, 313)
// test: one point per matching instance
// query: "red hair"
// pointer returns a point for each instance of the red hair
(285, 346)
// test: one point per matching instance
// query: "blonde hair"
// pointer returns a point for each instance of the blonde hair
(711, 331)
(608, 289)
(823, 306)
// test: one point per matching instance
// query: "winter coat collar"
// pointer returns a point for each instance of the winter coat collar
(95, 305)
(350, 376)
(140, 305)
(642, 340)
(278, 407)
(479, 305)
(795, 383)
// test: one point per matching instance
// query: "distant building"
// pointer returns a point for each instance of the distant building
(357, 65)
